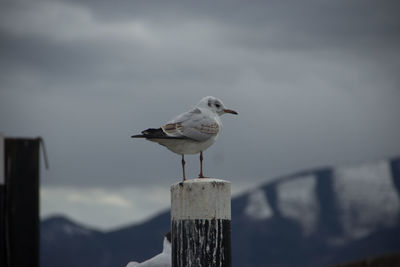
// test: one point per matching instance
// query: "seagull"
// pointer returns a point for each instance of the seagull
(191, 132)
(161, 260)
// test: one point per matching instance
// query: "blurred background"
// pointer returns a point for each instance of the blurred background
(315, 83)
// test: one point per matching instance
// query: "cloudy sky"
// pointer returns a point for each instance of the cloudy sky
(315, 83)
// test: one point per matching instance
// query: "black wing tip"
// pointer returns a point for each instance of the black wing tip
(153, 133)
(138, 136)
(150, 133)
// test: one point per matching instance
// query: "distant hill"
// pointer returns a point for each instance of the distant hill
(313, 218)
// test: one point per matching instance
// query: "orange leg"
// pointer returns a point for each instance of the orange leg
(183, 167)
(201, 165)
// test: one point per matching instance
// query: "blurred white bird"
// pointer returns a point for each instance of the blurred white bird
(191, 132)
(161, 260)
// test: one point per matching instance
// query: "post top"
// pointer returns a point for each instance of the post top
(203, 198)
(202, 180)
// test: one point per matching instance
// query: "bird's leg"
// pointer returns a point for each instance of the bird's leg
(183, 167)
(201, 165)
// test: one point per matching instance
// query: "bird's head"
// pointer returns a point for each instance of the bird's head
(214, 104)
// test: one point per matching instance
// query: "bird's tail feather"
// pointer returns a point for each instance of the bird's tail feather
(153, 133)
(138, 136)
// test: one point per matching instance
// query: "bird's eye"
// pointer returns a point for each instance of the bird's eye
(218, 105)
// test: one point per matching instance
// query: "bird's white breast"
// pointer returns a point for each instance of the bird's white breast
(186, 146)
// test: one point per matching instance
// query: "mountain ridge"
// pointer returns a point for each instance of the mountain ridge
(311, 218)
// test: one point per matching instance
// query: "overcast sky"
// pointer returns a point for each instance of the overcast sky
(315, 83)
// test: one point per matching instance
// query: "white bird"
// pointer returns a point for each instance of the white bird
(161, 260)
(191, 132)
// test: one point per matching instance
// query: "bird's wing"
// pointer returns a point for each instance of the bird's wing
(193, 124)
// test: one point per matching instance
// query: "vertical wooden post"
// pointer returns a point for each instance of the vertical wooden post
(2, 160)
(3, 243)
(201, 223)
(21, 209)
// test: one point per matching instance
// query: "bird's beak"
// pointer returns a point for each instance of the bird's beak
(230, 111)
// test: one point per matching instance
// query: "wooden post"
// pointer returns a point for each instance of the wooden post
(21, 207)
(3, 242)
(201, 223)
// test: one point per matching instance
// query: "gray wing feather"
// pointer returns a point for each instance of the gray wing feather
(192, 124)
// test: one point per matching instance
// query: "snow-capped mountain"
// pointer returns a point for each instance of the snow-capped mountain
(364, 198)
(319, 217)
(313, 218)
